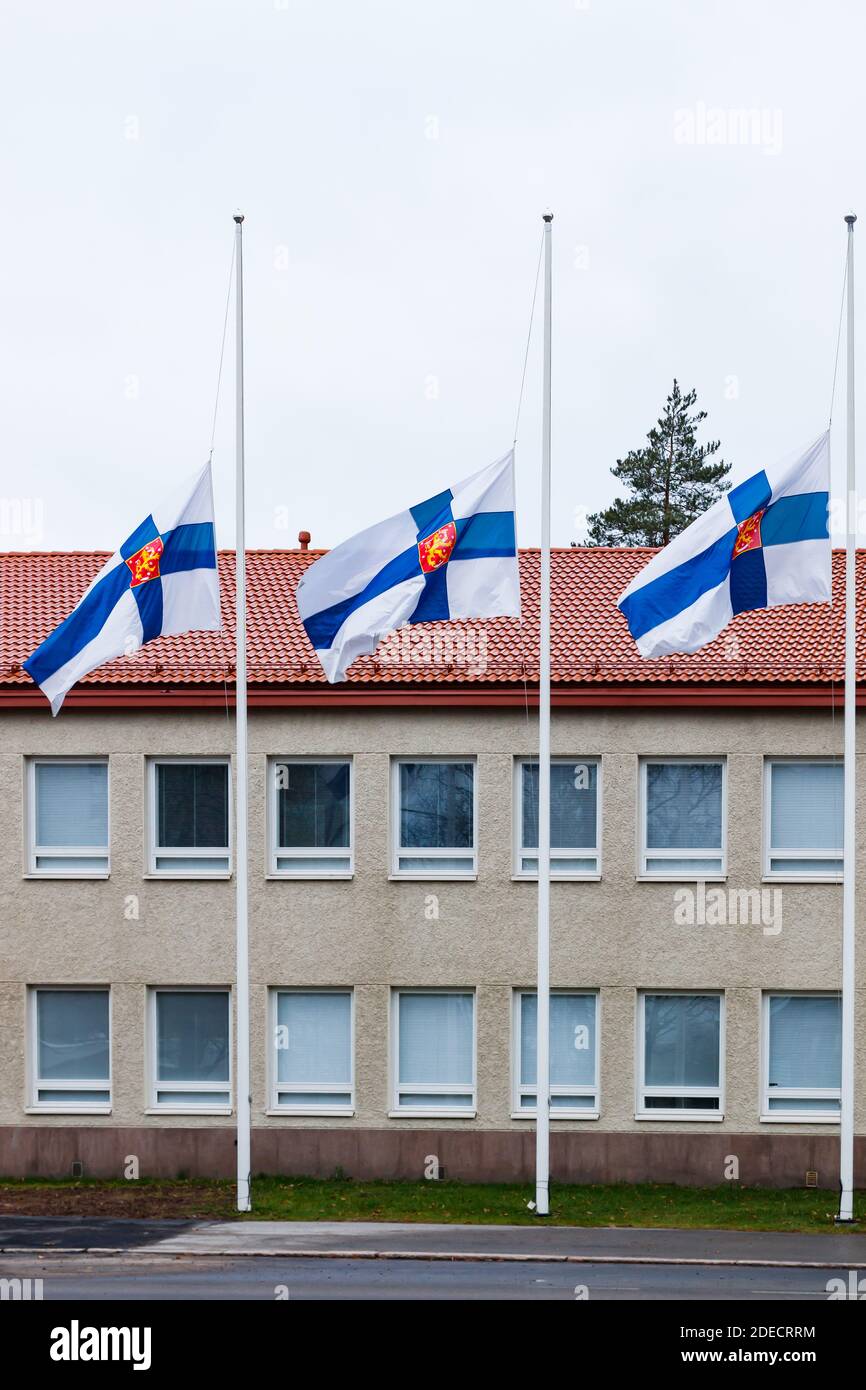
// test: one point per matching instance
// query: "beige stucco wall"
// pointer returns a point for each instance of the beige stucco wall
(616, 935)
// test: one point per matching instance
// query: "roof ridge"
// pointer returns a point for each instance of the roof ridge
(325, 550)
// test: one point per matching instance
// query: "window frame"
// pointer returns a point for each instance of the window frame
(793, 1117)
(644, 853)
(275, 852)
(35, 1083)
(769, 854)
(154, 1085)
(399, 1111)
(421, 852)
(34, 851)
(518, 1088)
(337, 1088)
(642, 1090)
(155, 851)
(521, 852)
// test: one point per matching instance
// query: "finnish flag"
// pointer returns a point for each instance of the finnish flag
(765, 543)
(453, 556)
(161, 582)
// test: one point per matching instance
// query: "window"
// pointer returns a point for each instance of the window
(68, 817)
(312, 1051)
(803, 835)
(434, 1036)
(434, 817)
(311, 817)
(573, 1053)
(802, 1056)
(70, 1050)
(189, 817)
(191, 1049)
(680, 1056)
(683, 817)
(573, 818)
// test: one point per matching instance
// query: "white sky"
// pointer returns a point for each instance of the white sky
(393, 159)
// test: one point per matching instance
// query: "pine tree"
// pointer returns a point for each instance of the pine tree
(671, 480)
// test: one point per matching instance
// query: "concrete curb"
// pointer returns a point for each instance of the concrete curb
(479, 1257)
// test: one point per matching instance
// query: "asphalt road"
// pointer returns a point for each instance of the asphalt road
(286, 1239)
(151, 1277)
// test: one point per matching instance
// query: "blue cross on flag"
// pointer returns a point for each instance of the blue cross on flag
(765, 543)
(161, 582)
(453, 556)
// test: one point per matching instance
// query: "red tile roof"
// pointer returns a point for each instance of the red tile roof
(591, 645)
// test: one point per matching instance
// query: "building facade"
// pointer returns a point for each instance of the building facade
(695, 907)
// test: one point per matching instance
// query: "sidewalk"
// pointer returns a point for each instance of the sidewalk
(391, 1240)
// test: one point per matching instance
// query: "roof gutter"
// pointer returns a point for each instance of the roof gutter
(590, 695)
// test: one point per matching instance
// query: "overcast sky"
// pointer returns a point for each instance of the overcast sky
(393, 159)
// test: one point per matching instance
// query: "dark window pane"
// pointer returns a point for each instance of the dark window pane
(684, 806)
(573, 800)
(436, 806)
(681, 1103)
(192, 1036)
(72, 1034)
(192, 805)
(313, 805)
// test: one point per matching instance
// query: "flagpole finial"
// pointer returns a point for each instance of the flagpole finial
(851, 218)
(238, 217)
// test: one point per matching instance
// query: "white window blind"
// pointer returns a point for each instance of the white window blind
(806, 818)
(573, 1051)
(804, 1053)
(436, 1067)
(71, 817)
(313, 1049)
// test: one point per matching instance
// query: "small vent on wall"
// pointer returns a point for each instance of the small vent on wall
(811, 1177)
(77, 1168)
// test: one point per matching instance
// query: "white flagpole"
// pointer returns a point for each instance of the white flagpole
(846, 1127)
(542, 1079)
(242, 954)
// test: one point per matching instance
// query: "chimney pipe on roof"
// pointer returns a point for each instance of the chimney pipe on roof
(304, 539)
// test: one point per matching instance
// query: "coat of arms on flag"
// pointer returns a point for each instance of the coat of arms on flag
(144, 564)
